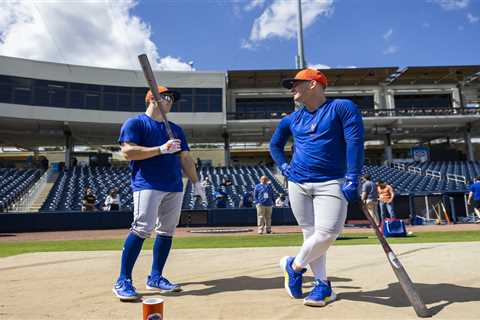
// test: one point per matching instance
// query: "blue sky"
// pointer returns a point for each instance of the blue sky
(243, 35)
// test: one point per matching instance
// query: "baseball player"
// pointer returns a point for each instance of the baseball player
(474, 197)
(323, 175)
(156, 162)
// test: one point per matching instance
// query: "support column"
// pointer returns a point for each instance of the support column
(68, 149)
(226, 146)
(388, 149)
(468, 142)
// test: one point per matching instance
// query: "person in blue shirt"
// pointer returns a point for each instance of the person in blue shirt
(156, 162)
(474, 197)
(263, 197)
(220, 199)
(323, 175)
(247, 200)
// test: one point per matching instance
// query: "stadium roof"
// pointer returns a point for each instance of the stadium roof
(433, 75)
(336, 77)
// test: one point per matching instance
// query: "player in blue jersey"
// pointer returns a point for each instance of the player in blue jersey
(156, 162)
(474, 197)
(323, 175)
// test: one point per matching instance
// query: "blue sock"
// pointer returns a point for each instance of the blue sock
(161, 249)
(131, 250)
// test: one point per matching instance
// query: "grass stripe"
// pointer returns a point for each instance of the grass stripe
(11, 248)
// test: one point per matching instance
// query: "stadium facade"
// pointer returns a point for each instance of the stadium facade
(43, 103)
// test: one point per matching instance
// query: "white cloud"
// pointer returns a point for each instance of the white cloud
(254, 4)
(452, 4)
(391, 50)
(245, 44)
(92, 33)
(426, 25)
(280, 18)
(388, 34)
(471, 18)
(318, 66)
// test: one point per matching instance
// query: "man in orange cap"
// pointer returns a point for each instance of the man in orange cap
(323, 175)
(157, 189)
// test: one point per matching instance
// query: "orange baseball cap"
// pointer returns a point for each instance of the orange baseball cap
(306, 75)
(163, 90)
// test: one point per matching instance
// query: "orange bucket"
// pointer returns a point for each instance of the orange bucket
(153, 309)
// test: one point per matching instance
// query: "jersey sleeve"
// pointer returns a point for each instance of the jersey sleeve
(353, 132)
(131, 132)
(279, 140)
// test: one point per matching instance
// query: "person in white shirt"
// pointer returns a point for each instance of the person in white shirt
(281, 201)
(112, 202)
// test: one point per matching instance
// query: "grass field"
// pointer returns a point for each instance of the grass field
(276, 240)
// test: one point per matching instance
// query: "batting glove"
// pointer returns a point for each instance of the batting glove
(171, 146)
(199, 191)
(285, 169)
(350, 188)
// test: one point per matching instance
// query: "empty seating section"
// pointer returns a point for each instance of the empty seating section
(14, 183)
(68, 191)
(244, 179)
(447, 176)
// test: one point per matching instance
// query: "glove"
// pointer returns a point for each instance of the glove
(199, 191)
(285, 169)
(350, 188)
(171, 146)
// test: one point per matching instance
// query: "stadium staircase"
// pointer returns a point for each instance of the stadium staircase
(43, 192)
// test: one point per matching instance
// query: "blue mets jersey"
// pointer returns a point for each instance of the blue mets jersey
(163, 172)
(328, 142)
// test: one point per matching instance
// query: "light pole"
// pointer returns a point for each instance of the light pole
(300, 58)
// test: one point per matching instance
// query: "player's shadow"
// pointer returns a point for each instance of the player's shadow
(242, 283)
(442, 293)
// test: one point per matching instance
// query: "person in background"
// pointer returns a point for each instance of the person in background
(247, 200)
(370, 197)
(206, 182)
(386, 194)
(220, 199)
(474, 197)
(281, 201)
(263, 196)
(89, 200)
(112, 202)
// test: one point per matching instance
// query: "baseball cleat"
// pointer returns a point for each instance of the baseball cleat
(293, 279)
(124, 290)
(320, 295)
(162, 284)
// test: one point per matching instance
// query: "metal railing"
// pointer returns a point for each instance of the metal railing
(415, 170)
(368, 113)
(26, 201)
(434, 174)
(456, 178)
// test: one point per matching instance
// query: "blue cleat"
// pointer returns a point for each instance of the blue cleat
(124, 290)
(162, 284)
(293, 279)
(320, 295)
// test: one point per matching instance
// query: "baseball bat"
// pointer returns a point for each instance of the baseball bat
(402, 275)
(152, 84)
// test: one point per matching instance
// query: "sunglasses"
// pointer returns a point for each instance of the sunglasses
(167, 97)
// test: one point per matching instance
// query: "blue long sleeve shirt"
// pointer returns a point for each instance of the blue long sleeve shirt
(263, 194)
(328, 142)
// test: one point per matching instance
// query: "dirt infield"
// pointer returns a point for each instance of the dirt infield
(243, 283)
(185, 232)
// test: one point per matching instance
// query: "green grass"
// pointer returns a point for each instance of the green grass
(11, 248)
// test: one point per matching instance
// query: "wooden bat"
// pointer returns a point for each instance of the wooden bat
(152, 84)
(402, 275)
